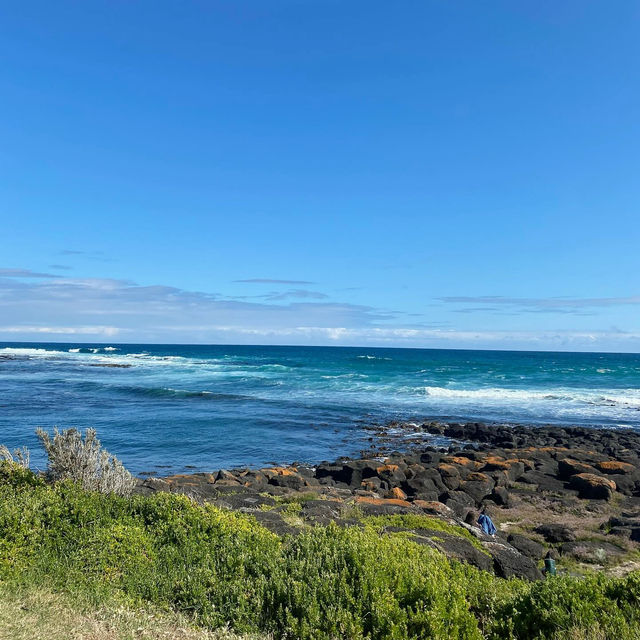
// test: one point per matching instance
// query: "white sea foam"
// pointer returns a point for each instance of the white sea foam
(598, 397)
(23, 352)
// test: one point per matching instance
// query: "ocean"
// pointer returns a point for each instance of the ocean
(176, 408)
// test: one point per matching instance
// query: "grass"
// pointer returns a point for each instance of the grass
(76, 563)
(38, 613)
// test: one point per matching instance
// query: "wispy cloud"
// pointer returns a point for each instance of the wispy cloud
(91, 255)
(61, 267)
(25, 273)
(537, 305)
(274, 281)
(295, 293)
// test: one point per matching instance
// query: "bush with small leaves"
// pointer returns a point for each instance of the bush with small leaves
(19, 456)
(84, 461)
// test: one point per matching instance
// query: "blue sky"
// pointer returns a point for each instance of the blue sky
(432, 173)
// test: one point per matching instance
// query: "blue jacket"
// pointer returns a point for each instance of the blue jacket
(486, 524)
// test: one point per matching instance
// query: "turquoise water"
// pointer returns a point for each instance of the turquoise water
(169, 408)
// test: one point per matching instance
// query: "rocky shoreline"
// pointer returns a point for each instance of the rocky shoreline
(569, 493)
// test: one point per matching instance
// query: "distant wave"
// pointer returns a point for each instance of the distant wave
(25, 353)
(623, 397)
(163, 392)
(168, 392)
(371, 358)
(93, 349)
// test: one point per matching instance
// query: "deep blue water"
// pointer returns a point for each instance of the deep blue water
(175, 407)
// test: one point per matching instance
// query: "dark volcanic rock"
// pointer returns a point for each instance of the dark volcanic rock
(500, 496)
(275, 523)
(451, 545)
(478, 486)
(569, 467)
(590, 485)
(542, 481)
(526, 546)
(556, 532)
(508, 562)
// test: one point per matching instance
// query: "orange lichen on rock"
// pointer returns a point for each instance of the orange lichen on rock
(434, 507)
(281, 471)
(615, 466)
(462, 461)
(387, 468)
(446, 469)
(382, 501)
(396, 493)
(478, 477)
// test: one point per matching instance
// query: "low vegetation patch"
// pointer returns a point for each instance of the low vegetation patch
(431, 523)
(219, 568)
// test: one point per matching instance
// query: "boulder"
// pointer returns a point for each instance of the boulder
(330, 509)
(542, 481)
(450, 475)
(391, 473)
(554, 532)
(526, 546)
(383, 506)
(275, 523)
(226, 477)
(508, 562)
(478, 486)
(500, 496)
(433, 507)
(592, 486)
(286, 477)
(396, 493)
(420, 483)
(615, 467)
(569, 467)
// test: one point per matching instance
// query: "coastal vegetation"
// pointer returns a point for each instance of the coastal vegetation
(219, 569)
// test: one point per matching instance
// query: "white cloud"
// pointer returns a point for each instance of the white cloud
(97, 308)
(81, 331)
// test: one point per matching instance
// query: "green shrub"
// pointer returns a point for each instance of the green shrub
(565, 607)
(221, 567)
